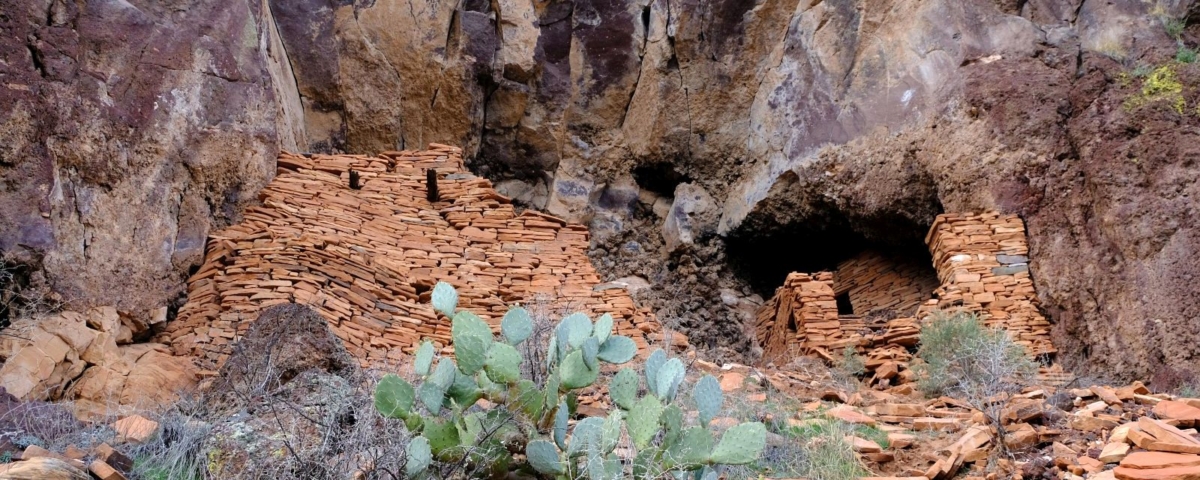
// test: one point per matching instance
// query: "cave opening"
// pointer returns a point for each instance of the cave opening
(659, 177)
(879, 264)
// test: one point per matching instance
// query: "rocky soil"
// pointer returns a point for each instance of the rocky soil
(710, 145)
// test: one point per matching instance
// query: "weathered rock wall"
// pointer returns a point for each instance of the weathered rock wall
(128, 129)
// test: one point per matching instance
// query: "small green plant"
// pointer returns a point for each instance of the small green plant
(1112, 49)
(962, 357)
(851, 362)
(1161, 85)
(1185, 55)
(824, 428)
(830, 456)
(454, 437)
(1174, 27)
(1189, 390)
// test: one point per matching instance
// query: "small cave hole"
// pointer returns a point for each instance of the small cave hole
(660, 178)
(843, 304)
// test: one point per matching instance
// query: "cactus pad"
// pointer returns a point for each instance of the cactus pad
(471, 352)
(544, 458)
(618, 349)
(603, 328)
(467, 323)
(442, 435)
(653, 364)
(623, 388)
(741, 444)
(516, 325)
(586, 436)
(423, 359)
(503, 364)
(526, 398)
(591, 347)
(560, 424)
(669, 378)
(445, 298)
(575, 373)
(578, 328)
(708, 397)
(394, 397)
(692, 449)
(432, 396)
(643, 420)
(419, 456)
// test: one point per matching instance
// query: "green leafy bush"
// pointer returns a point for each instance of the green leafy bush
(1174, 27)
(1185, 55)
(453, 438)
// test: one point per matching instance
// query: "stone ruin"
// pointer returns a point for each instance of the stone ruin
(367, 258)
(981, 265)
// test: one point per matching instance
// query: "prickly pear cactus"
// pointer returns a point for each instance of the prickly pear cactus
(665, 445)
(525, 416)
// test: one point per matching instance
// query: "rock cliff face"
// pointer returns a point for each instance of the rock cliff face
(692, 135)
(128, 130)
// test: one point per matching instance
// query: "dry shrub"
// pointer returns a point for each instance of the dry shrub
(967, 360)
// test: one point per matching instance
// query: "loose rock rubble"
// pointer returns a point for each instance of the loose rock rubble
(102, 462)
(1099, 432)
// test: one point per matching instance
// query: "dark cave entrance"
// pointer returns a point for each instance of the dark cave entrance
(659, 177)
(880, 264)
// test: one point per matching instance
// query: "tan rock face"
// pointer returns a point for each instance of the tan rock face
(64, 350)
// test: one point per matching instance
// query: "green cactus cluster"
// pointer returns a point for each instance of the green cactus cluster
(452, 434)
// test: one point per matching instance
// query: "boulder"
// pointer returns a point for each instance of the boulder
(257, 441)
(42, 468)
(130, 130)
(76, 356)
(285, 341)
(1156, 460)
(1114, 452)
(1186, 415)
(900, 440)
(104, 471)
(287, 396)
(693, 215)
(135, 429)
(862, 445)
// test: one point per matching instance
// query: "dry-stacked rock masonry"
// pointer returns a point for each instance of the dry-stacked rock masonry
(367, 258)
(981, 262)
